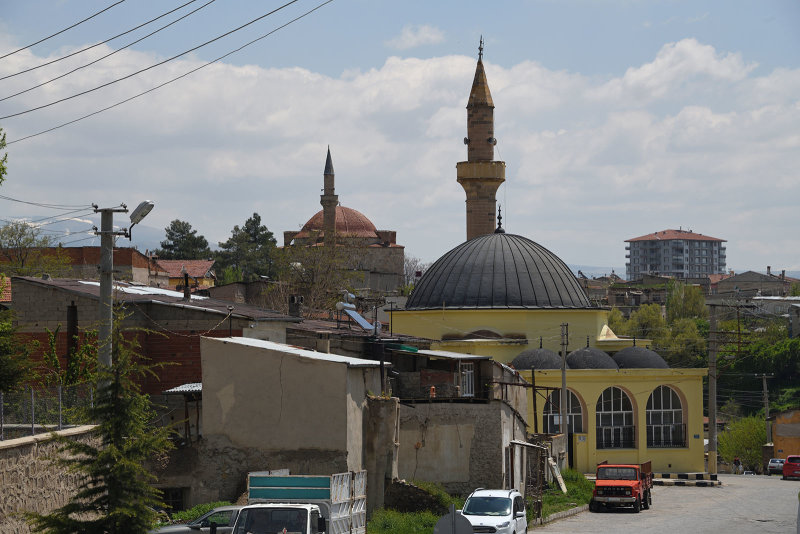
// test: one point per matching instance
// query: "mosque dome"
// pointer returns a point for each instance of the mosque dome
(639, 358)
(349, 223)
(590, 358)
(498, 270)
(537, 359)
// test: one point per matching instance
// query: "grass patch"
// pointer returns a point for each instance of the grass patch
(440, 494)
(392, 522)
(193, 513)
(579, 492)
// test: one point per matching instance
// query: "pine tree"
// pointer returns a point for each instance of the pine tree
(115, 495)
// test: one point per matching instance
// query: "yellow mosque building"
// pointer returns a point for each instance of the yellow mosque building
(505, 296)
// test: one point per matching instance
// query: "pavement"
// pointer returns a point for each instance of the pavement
(743, 504)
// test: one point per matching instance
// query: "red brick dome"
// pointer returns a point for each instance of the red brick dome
(349, 223)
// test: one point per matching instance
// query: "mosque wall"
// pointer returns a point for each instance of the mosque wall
(638, 384)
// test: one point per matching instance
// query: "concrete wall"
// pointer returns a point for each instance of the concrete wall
(460, 445)
(30, 482)
(588, 385)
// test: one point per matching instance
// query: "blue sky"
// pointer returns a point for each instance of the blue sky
(616, 118)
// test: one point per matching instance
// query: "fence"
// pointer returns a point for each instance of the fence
(30, 411)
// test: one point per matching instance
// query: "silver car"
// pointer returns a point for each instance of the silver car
(775, 466)
(223, 516)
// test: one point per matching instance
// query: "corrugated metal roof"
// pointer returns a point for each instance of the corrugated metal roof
(304, 353)
(194, 387)
(446, 354)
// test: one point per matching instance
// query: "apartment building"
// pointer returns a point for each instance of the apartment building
(676, 253)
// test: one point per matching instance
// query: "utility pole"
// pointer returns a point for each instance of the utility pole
(106, 309)
(563, 402)
(712, 390)
(766, 405)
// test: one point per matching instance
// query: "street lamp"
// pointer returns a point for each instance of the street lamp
(107, 234)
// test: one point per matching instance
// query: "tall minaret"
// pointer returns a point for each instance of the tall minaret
(329, 199)
(480, 175)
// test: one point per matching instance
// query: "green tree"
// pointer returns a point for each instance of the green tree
(794, 291)
(744, 438)
(79, 363)
(685, 302)
(115, 493)
(15, 367)
(617, 322)
(183, 243)
(681, 344)
(250, 251)
(4, 159)
(24, 251)
(646, 322)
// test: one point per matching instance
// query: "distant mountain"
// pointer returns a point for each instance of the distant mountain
(593, 271)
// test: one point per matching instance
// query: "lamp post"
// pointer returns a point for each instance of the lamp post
(107, 233)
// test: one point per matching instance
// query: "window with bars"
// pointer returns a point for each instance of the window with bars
(665, 426)
(552, 413)
(467, 379)
(614, 420)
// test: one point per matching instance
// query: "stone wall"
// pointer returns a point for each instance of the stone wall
(30, 482)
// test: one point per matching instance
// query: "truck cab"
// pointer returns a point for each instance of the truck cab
(288, 518)
(622, 485)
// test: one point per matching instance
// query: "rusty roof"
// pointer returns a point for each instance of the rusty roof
(195, 268)
(667, 235)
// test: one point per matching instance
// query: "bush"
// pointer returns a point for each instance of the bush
(579, 492)
(391, 522)
(193, 513)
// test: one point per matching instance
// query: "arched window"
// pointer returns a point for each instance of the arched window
(615, 424)
(552, 413)
(665, 426)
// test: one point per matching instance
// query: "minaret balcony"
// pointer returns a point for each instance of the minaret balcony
(486, 170)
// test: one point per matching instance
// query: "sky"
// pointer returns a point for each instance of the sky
(616, 118)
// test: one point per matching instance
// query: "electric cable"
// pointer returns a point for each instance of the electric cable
(82, 50)
(62, 31)
(117, 80)
(46, 205)
(170, 81)
(109, 54)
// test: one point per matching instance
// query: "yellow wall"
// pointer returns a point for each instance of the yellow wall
(519, 329)
(786, 433)
(588, 384)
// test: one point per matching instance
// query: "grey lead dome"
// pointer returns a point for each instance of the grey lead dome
(498, 271)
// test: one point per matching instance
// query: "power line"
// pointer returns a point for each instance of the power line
(111, 53)
(62, 31)
(112, 82)
(49, 206)
(100, 43)
(172, 80)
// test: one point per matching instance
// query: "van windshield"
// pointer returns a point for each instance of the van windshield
(487, 506)
(271, 520)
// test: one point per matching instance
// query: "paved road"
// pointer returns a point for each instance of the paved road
(744, 504)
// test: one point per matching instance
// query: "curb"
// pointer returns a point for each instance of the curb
(559, 515)
(686, 476)
(698, 483)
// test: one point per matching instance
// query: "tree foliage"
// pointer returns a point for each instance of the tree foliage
(685, 302)
(4, 158)
(183, 243)
(249, 254)
(743, 438)
(646, 322)
(115, 493)
(24, 251)
(15, 367)
(79, 363)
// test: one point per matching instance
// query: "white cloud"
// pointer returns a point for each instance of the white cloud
(412, 36)
(591, 162)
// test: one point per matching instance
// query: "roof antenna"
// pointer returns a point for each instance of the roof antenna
(480, 50)
(540, 342)
(587, 342)
(500, 220)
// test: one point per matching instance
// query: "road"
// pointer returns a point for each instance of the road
(744, 504)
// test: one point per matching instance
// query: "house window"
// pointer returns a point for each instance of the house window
(615, 427)
(467, 379)
(665, 426)
(552, 413)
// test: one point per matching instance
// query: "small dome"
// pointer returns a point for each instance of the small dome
(590, 358)
(639, 358)
(537, 359)
(349, 223)
(498, 271)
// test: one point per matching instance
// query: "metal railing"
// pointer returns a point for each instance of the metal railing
(616, 437)
(31, 411)
(666, 436)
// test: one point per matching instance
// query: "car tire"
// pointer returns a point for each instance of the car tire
(646, 500)
(637, 506)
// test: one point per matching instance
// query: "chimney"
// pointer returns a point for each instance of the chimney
(296, 305)
(187, 293)
(769, 270)
(783, 274)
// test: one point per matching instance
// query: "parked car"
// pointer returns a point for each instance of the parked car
(775, 466)
(501, 511)
(791, 468)
(223, 516)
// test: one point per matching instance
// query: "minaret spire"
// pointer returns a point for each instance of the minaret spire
(480, 175)
(329, 200)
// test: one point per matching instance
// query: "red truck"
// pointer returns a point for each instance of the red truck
(622, 485)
